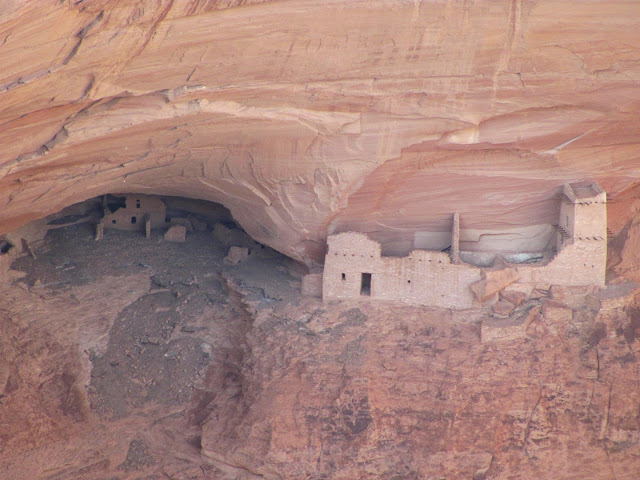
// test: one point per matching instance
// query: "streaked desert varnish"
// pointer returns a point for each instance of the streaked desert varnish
(372, 116)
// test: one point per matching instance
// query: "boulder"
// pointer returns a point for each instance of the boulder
(573, 297)
(176, 233)
(222, 234)
(197, 224)
(513, 296)
(182, 221)
(503, 308)
(493, 282)
(236, 255)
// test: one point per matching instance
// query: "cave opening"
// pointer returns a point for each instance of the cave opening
(110, 225)
(146, 321)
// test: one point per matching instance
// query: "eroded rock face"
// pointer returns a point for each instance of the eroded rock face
(160, 367)
(306, 118)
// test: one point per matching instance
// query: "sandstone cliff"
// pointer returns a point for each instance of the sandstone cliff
(305, 118)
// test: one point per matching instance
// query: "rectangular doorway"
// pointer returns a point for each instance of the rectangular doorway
(365, 284)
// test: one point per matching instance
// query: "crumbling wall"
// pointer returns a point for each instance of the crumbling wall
(582, 263)
(137, 209)
(424, 277)
(354, 266)
(429, 278)
(312, 285)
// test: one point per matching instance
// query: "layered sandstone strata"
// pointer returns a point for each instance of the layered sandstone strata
(308, 118)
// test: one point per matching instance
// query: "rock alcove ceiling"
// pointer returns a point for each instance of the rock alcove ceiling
(307, 118)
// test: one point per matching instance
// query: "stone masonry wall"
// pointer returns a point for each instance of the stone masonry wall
(150, 207)
(589, 220)
(580, 263)
(424, 277)
(429, 278)
(354, 266)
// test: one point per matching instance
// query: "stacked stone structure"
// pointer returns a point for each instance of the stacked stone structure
(354, 265)
(137, 211)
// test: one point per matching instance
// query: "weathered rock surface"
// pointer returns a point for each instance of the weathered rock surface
(236, 255)
(493, 282)
(362, 390)
(305, 118)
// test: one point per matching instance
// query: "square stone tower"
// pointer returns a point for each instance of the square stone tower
(583, 214)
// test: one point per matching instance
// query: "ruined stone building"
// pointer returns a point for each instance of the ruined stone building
(135, 213)
(581, 241)
(354, 266)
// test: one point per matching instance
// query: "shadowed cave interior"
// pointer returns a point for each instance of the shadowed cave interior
(182, 332)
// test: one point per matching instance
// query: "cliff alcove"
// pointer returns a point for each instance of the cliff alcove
(127, 330)
(143, 358)
(375, 117)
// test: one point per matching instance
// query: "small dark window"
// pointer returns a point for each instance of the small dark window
(344, 276)
(365, 285)
(5, 246)
(113, 221)
(137, 203)
(134, 219)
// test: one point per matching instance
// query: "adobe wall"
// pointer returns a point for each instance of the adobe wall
(589, 220)
(350, 254)
(424, 277)
(312, 285)
(567, 217)
(150, 207)
(430, 278)
(581, 263)
(583, 212)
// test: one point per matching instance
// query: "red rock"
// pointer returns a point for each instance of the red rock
(305, 118)
(493, 282)
(513, 297)
(540, 92)
(503, 308)
(236, 255)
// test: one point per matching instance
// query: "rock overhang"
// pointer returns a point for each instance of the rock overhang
(330, 122)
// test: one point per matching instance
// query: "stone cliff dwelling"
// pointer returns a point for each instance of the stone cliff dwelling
(133, 212)
(354, 266)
